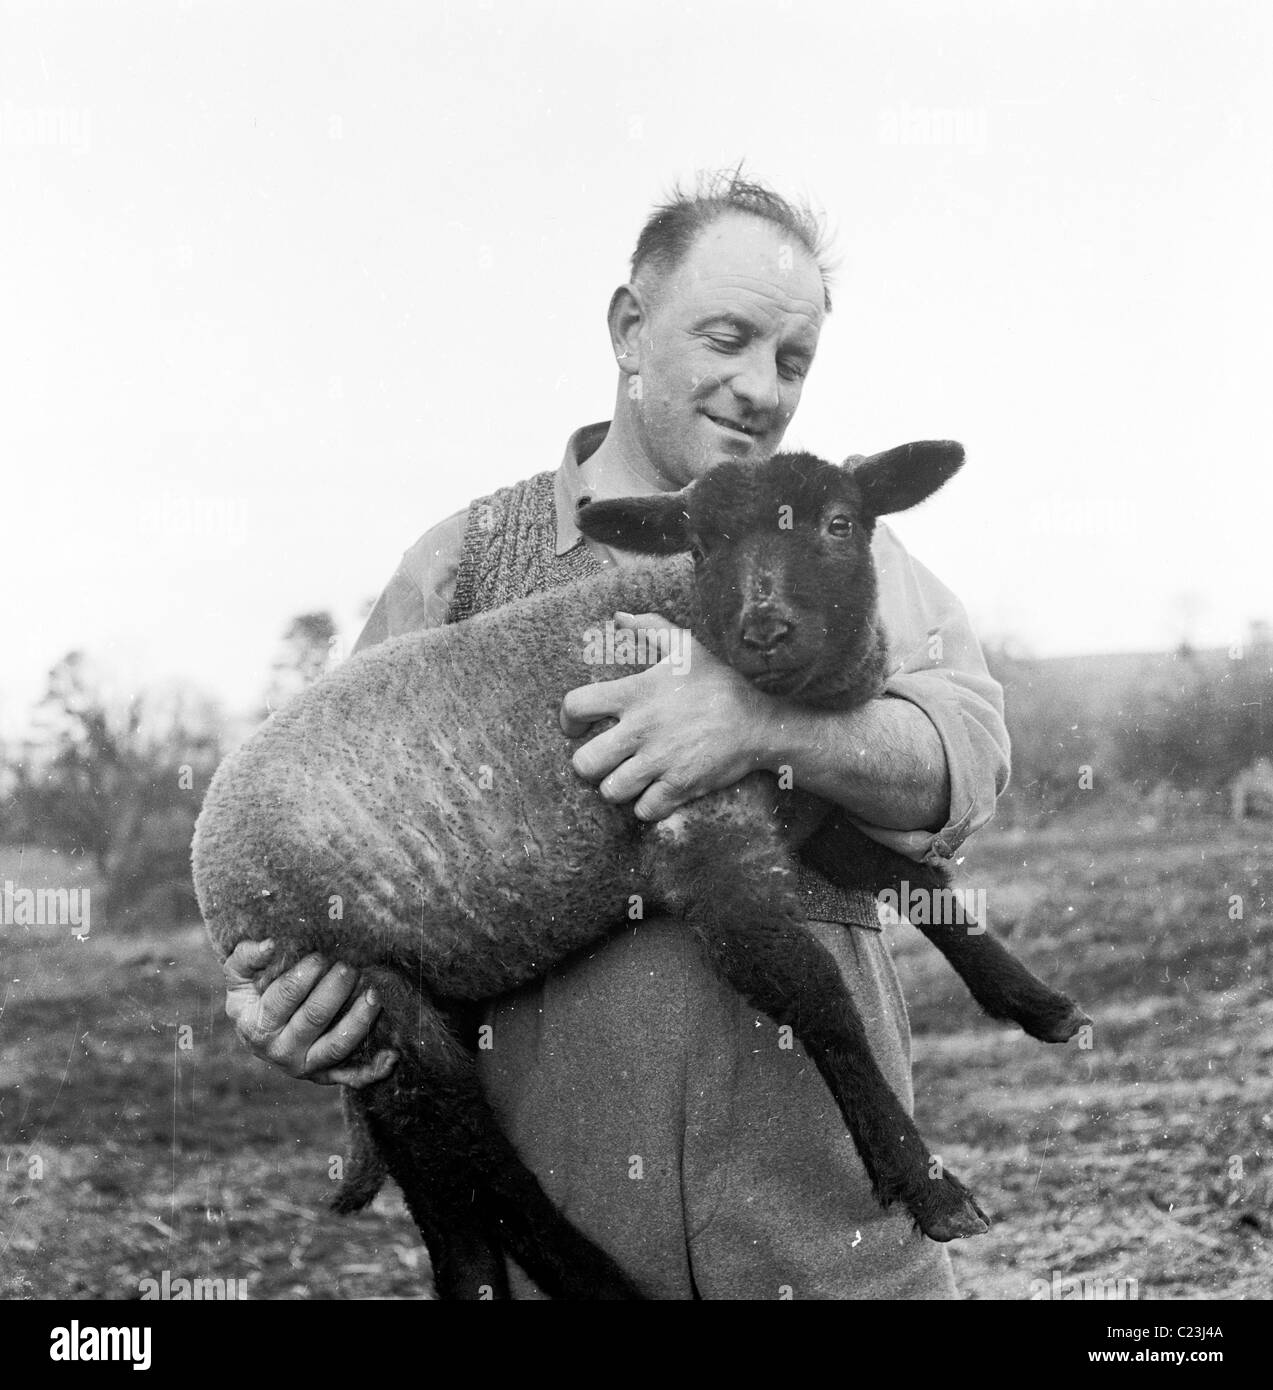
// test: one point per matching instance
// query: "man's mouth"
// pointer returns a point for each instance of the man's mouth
(734, 427)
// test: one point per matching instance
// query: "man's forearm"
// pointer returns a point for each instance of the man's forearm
(884, 762)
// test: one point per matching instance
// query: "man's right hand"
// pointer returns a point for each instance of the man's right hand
(289, 1023)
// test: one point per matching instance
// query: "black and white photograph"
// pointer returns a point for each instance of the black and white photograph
(639, 659)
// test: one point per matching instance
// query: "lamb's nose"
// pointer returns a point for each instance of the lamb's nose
(764, 631)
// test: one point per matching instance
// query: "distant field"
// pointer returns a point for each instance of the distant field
(132, 1146)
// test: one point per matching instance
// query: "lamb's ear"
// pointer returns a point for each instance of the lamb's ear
(656, 525)
(902, 477)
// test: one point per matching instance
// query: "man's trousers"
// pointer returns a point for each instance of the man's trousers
(691, 1137)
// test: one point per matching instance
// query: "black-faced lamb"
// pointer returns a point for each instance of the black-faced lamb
(415, 814)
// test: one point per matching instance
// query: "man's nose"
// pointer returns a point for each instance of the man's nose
(756, 382)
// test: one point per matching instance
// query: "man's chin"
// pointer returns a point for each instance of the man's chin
(717, 450)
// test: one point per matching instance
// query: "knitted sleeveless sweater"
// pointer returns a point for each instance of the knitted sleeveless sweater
(510, 551)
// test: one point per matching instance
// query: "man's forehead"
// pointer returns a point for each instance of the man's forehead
(733, 298)
(746, 261)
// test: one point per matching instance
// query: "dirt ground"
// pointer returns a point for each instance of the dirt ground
(138, 1137)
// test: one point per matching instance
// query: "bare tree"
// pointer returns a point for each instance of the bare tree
(117, 780)
(303, 656)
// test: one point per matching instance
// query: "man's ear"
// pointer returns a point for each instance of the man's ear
(902, 477)
(657, 525)
(626, 318)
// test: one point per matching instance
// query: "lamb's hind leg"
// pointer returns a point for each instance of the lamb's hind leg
(560, 1258)
(470, 1194)
(410, 1125)
(730, 880)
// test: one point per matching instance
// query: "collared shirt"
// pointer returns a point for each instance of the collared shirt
(935, 660)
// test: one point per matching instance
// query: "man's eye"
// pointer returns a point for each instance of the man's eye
(840, 526)
(725, 344)
(793, 371)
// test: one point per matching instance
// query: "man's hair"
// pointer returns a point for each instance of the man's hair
(672, 227)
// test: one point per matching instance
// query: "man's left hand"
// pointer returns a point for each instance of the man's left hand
(680, 734)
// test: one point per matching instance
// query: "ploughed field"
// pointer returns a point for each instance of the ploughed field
(139, 1138)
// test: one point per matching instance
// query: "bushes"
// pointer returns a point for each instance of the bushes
(119, 781)
(1163, 732)
(1201, 734)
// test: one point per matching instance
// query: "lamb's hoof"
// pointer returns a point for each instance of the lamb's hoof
(1061, 1025)
(950, 1212)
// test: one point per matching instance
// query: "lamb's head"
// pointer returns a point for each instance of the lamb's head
(782, 554)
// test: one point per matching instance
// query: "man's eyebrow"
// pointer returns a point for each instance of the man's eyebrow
(798, 349)
(728, 320)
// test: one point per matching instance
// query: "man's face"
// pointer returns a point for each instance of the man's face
(725, 347)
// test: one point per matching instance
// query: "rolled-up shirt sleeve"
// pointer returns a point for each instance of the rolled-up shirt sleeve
(419, 592)
(936, 662)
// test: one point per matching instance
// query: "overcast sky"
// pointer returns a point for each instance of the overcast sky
(284, 284)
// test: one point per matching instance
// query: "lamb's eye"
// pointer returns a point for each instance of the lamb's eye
(840, 525)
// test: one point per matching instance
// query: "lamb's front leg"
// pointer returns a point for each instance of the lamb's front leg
(999, 982)
(720, 864)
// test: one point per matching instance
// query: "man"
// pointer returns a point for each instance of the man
(676, 1127)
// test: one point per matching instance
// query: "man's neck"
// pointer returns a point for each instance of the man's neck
(618, 466)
